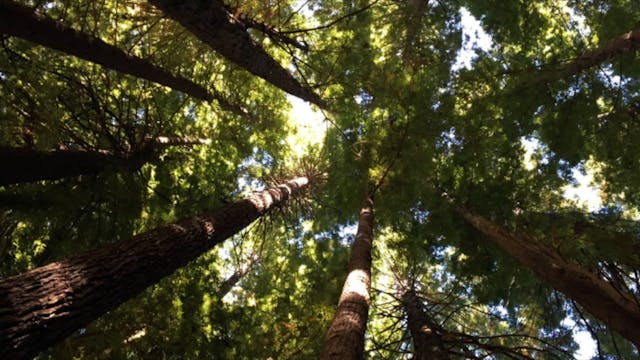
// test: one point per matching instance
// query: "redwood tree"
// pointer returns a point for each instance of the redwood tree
(345, 338)
(23, 165)
(618, 310)
(623, 44)
(427, 339)
(214, 24)
(43, 306)
(21, 21)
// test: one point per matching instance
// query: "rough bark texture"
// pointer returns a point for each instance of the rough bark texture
(427, 341)
(623, 44)
(345, 338)
(21, 21)
(43, 306)
(619, 311)
(211, 22)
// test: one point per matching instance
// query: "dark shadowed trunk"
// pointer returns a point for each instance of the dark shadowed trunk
(618, 310)
(623, 44)
(21, 21)
(427, 341)
(213, 24)
(43, 306)
(23, 165)
(345, 338)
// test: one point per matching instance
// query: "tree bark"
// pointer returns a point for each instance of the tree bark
(427, 341)
(232, 280)
(43, 306)
(621, 45)
(165, 141)
(345, 338)
(23, 165)
(618, 310)
(213, 24)
(21, 21)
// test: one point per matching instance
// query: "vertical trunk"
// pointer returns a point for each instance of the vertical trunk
(345, 338)
(43, 306)
(213, 24)
(19, 20)
(22, 165)
(415, 12)
(623, 44)
(619, 311)
(427, 341)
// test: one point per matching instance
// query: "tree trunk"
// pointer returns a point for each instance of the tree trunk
(232, 280)
(427, 341)
(211, 22)
(345, 338)
(22, 165)
(21, 21)
(43, 306)
(618, 310)
(166, 141)
(623, 44)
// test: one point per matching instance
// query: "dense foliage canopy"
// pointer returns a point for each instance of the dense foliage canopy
(441, 110)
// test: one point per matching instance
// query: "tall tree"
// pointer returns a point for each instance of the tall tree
(28, 165)
(345, 337)
(618, 310)
(623, 44)
(43, 306)
(427, 339)
(21, 21)
(237, 275)
(214, 24)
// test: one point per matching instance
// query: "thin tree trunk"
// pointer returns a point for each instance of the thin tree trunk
(427, 341)
(619, 311)
(235, 278)
(21, 21)
(345, 338)
(43, 306)
(213, 24)
(621, 45)
(165, 141)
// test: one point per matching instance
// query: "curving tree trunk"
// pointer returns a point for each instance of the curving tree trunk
(213, 24)
(23, 165)
(427, 341)
(345, 338)
(618, 310)
(43, 306)
(21, 21)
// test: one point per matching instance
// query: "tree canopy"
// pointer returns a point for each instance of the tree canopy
(469, 122)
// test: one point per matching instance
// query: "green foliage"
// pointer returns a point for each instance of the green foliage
(404, 118)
